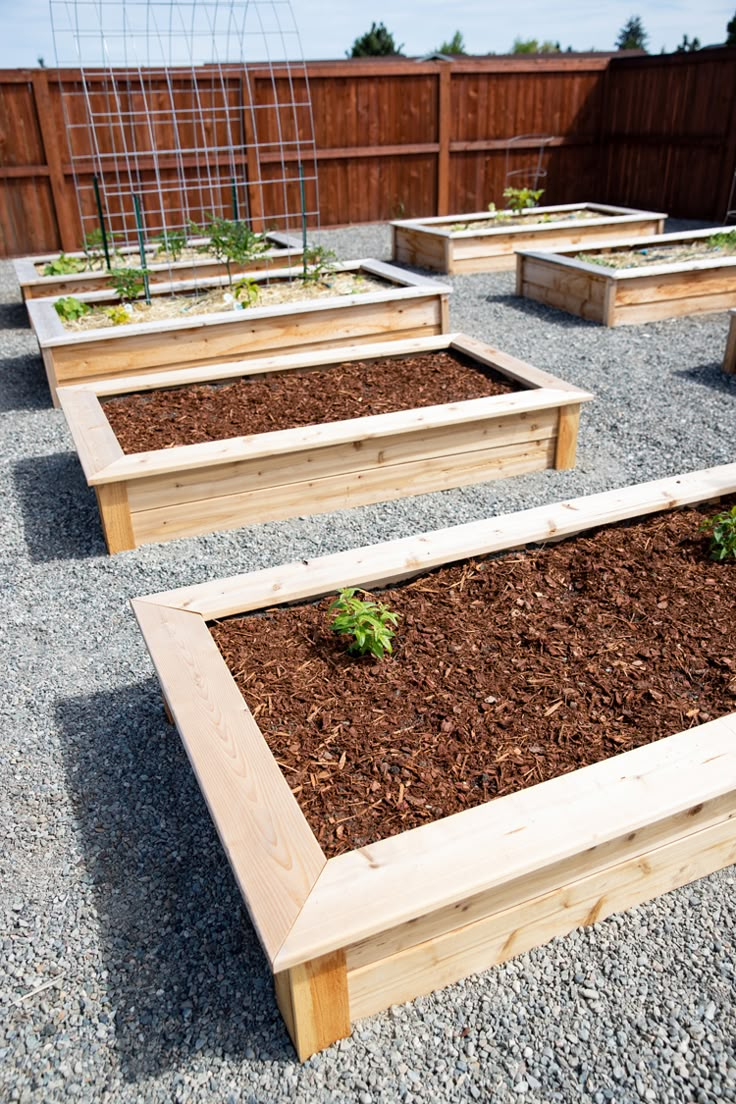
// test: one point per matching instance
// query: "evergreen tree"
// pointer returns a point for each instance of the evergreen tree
(377, 42)
(454, 46)
(687, 45)
(731, 32)
(632, 35)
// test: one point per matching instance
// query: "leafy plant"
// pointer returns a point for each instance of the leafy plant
(128, 283)
(725, 239)
(172, 243)
(64, 266)
(455, 45)
(232, 243)
(246, 291)
(319, 264)
(367, 622)
(521, 198)
(70, 309)
(722, 528)
(377, 42)
(93, 249)
(119, 314)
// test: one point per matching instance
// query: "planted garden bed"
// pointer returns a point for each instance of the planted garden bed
(200, 449)
(729, 360)
(472, 243)
(634, 280)
(361, 897)
(284, 250)
(387, 303)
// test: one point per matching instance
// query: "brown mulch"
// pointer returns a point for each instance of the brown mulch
(258, 404)
(506, 672)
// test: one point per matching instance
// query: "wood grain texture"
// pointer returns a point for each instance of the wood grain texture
(313, 1000)
(96, 444)
(729, 358)
(271, 849)
(567, 437)
(117, 525)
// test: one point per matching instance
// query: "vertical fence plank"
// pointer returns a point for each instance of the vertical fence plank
(444, 123)
(53, 138)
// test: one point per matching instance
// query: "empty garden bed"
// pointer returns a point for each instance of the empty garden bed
(202, 449)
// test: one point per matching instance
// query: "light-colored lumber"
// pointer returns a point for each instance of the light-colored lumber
(375, 564)
(409, 876)
(313, 1000)
(729, 359)
(117, 525)
(441, 961)
(342, 491)
(567, 437)
(271, 849)
(96, 444)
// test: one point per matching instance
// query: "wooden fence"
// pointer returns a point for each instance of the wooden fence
(398, 138)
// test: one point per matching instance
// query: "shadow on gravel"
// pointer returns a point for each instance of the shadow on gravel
(24, 385)
(186, 974)
(709, 375)
(532, 309)
(59, 510)
(13, 316)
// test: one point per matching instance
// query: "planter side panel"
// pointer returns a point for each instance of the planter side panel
(412, 246)
(168, 350)
(729, 359)
(568, 289)
(643, 298)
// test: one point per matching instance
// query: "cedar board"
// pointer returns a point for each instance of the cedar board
(193, 489)
(729, 359)
(348, 936)
(616, 297)
(287, 251)
(431, 243)
(411, 306)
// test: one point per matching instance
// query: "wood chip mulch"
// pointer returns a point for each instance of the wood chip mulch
(506, 672)
(257, 404)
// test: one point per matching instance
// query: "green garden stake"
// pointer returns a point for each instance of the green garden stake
(303, 200)
(234, 190)
(101, 218)
(142, 248)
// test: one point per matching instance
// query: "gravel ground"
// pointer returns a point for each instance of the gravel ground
(128, 972)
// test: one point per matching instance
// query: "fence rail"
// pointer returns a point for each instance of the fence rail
(398, 138)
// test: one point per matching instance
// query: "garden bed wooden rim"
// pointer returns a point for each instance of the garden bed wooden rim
(438, 224)
(106, 466)
(348, 936)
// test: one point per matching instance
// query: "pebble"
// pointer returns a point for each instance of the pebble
(114, 883)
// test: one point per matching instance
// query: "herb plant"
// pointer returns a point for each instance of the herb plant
(232, 243)
(128, 283)
(318, 265)
(519, 199)
(69, 309)
(64, 266)
(367, 622)
(722, 528)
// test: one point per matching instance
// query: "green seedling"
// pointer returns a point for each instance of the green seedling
(70, 309)
(232, 243)
(171, 243)
(128, 283)
(319, 265)
(520, 198)
(94, 249)
(64, 266)
(246, 291)
(725, 239)
(119, 314)
(722, 529)
(367, 622)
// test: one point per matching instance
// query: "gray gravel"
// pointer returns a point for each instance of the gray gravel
(128, 971)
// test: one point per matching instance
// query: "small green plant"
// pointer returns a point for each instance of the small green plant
(232, 243)
(722, 529)
(119, 314)
(725, 239)
(70, 309)
(128, 283)
(246, 291)
(518, 199)
(93, 249)
(319, 264)
(64, 266)
(367, 622)
(171, 243)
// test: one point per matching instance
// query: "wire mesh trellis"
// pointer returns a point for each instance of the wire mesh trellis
(183, 111)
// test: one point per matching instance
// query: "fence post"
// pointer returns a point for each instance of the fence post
(67, 217)
(254, 185)
(444, 120)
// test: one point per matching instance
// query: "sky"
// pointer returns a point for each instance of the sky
(327, 28)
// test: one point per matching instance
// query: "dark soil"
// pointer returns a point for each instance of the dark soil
(257, 404)
(506, 672)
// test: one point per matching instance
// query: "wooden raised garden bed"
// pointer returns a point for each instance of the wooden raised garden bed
(620, 296)
(349, 935)
(223, 483)
(405, 306)
(729, 360)
(434, 243)
(286, 250)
